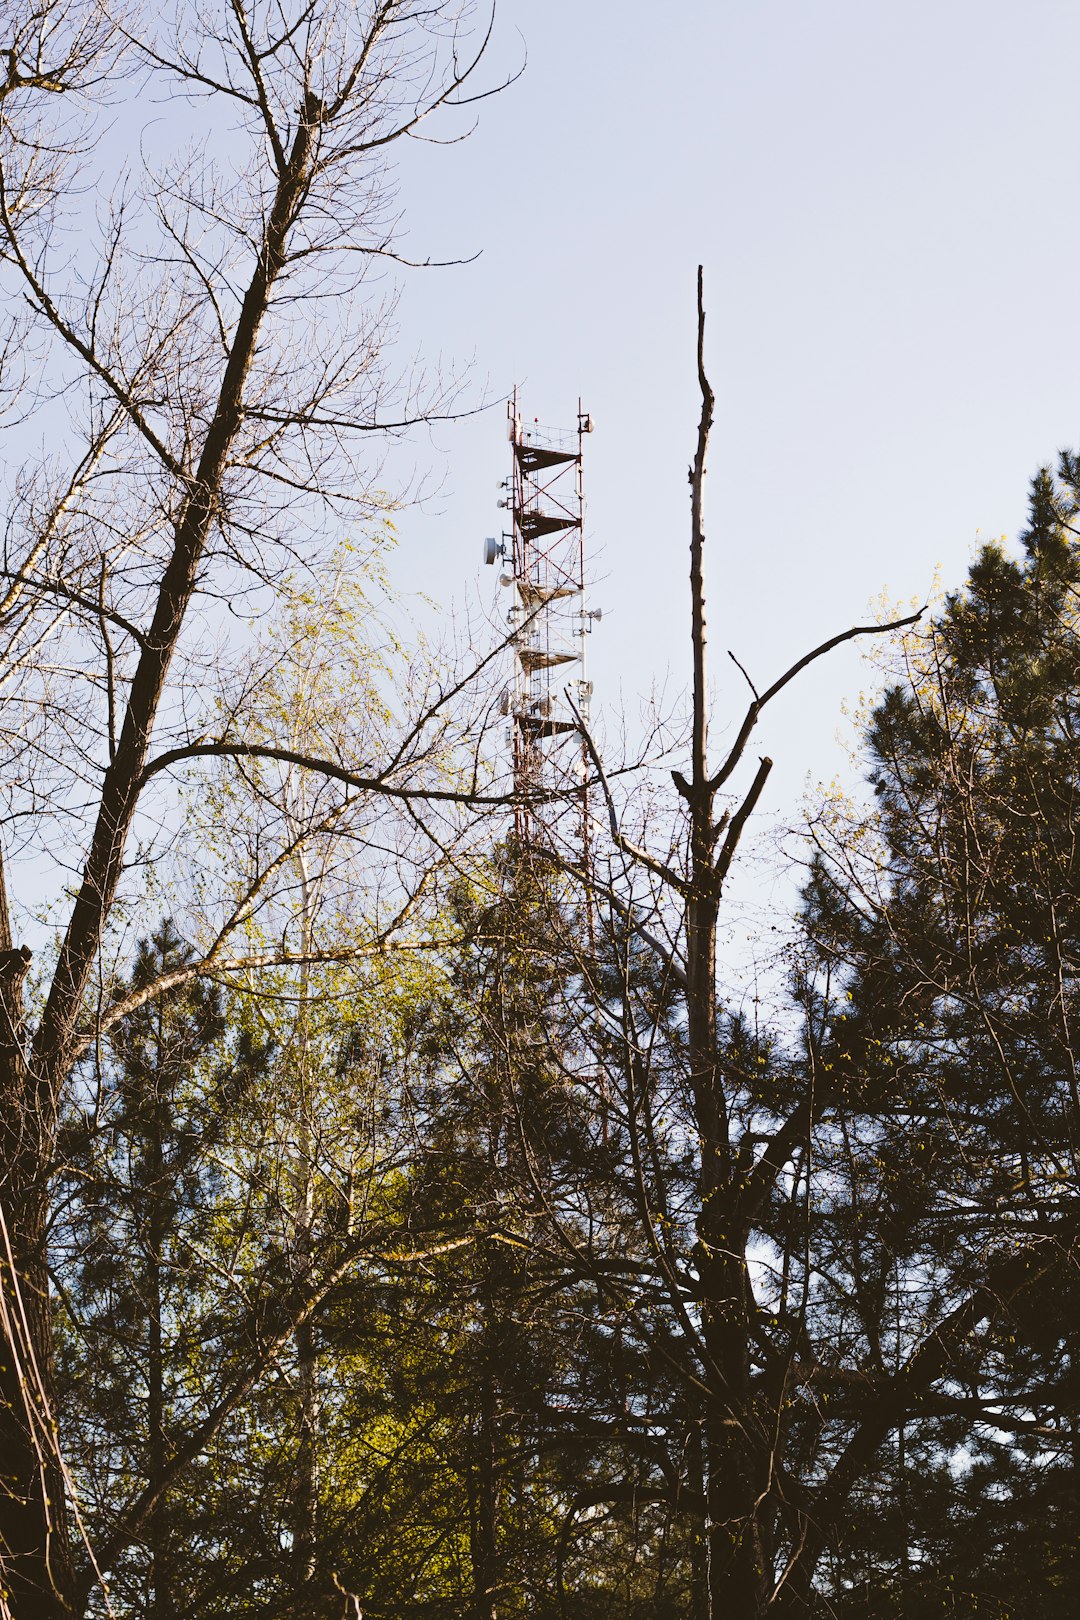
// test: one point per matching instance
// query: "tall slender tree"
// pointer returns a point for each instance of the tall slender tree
(135, 1197)
(214, 389)
(746, 1116)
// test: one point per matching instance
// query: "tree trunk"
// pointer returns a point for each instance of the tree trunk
(485, 1548)
(35, 1566)
(157, 1530)
(735, 1571)
(32, 1518)
(699, 1558)
(306, 1494)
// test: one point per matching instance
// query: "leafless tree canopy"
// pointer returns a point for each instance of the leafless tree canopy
(196, 216)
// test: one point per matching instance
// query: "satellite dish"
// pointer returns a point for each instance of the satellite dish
(492, 549)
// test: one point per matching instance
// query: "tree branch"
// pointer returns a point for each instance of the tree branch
(753, 712)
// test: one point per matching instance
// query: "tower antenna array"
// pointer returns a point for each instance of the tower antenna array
(543, 555)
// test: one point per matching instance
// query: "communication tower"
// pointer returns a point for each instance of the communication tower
(543, 556)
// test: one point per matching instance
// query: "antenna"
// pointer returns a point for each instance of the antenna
(544, 567)
(549, 625)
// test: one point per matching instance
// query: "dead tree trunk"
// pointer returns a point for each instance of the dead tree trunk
(735, 1577)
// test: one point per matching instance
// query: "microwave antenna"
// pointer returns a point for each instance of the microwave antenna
(542, 553)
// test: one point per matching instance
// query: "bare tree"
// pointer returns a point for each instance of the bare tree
(208, 372)
(839, 1231)
(710, 1130)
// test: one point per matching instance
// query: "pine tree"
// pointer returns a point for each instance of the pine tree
(137, 1192)
(946, 990)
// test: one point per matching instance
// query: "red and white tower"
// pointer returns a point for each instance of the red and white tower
(549, 624)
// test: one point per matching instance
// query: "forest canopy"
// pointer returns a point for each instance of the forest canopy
(401, 1214)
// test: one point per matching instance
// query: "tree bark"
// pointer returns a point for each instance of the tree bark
(162, 1605)
(485, 1547)
(39, 1571)
(736, 1583)
(34, 1561)
(306, 1495)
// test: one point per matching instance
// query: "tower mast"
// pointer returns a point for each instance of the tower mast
(544, 568)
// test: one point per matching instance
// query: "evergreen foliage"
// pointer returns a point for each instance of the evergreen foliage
(945, 986)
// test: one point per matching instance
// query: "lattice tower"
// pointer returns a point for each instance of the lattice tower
(549, 624)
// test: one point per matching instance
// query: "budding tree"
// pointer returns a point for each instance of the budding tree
(195, 376)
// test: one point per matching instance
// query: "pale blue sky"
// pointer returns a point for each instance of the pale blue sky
(883, 199)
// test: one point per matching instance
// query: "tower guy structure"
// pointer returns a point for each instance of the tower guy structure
(543, 557)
